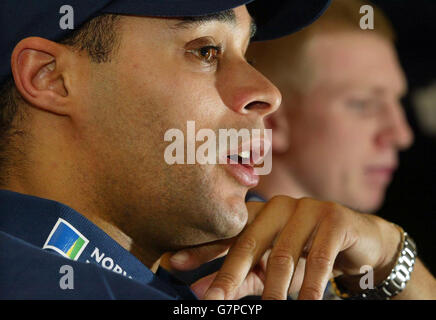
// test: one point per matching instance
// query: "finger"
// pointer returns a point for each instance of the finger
(252, 286)
(328, 242)
(250, 246)
(200, 286)
(288, 249)
(297, 279)
(254, 207)
(192, 258)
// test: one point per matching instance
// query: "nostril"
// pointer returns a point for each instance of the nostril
(257, 105)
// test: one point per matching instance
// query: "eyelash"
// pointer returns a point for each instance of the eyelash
(211, 59)
(198, 53)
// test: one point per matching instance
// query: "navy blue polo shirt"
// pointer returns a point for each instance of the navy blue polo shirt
(50, 251)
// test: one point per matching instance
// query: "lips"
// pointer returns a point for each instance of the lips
(240, 162)
(381, 174)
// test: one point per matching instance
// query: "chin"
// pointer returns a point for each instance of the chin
(370, 204)
(219, 210)
(231, 218)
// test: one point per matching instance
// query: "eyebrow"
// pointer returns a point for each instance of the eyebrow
(227, 16)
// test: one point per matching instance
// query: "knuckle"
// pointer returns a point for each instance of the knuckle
(281, 258)
(333, 212)
(226, 281)
(312, 292)
(273, 295)
(320, 259)
(306, 202)
(282, 201)
(283, 205)
(331, 207)
(279, 198)
(246, 244)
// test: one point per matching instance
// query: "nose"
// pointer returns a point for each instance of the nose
(397, 131)
(247, 92)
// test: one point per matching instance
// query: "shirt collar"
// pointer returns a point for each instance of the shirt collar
(53, 226)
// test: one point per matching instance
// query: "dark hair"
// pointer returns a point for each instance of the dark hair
(97, 37)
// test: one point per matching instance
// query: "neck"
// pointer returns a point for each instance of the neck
(280, 181)
(64, 177)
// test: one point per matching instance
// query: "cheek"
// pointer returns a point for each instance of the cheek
(163, 88)
(329, 146)
(347, 147)
(317, 135)
(173, 98)
(148, 109)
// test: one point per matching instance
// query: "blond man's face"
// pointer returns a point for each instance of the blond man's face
(346, 132)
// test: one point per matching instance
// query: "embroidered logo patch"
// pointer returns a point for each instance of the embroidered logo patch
(66, 240)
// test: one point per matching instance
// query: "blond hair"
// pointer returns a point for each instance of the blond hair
(342, 16)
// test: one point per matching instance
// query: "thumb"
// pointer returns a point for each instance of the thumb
(192, 258)
(252, 286)
(200, 286)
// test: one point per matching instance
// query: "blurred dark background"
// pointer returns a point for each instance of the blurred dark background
(411, 198)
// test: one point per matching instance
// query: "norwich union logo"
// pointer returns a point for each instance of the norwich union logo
(66, 240)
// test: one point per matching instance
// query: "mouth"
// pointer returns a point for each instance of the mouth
(381, 174)
(241, 162)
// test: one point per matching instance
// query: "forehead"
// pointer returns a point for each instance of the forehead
(354, 58)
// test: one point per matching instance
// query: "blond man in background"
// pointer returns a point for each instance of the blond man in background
(341, 124)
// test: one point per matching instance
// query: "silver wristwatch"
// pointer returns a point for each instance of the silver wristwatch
(395, 282)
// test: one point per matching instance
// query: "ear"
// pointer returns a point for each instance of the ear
(37, 68)
(279, 124)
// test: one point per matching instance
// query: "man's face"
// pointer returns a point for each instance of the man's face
(346, 131)
(164, 74)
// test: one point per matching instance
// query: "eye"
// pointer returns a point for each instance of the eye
(359, 103)
(362, 103)
(365, 106)
(208, 54)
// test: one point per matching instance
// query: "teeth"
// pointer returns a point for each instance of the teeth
(244, 154)
(241, 157)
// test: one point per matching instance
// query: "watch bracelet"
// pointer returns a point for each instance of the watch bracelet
(394, 283)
